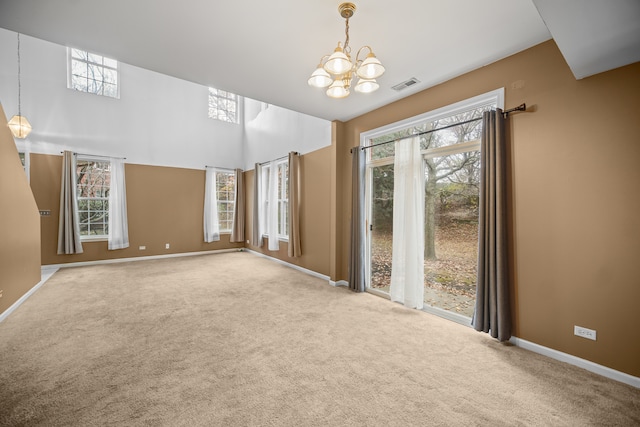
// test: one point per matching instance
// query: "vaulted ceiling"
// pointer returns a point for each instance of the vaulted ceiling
(266, 50)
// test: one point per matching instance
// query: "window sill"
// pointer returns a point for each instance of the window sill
(94, 239)
(280, 238)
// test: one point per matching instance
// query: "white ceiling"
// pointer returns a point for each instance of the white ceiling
(266, 50)
(594, 35)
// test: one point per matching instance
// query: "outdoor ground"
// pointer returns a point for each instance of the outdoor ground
(450, 279)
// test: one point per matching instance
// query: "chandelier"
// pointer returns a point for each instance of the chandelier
(19, 125)
(339, 73)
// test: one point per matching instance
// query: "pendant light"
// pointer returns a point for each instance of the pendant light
(338, 72)
(19, 125)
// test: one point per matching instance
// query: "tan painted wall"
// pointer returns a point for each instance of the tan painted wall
(19, 224)
(164, 205)
(575, 188)
(315, 214)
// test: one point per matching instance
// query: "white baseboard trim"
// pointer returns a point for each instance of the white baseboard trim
(142, 258)
(45, 273)
(296, 267)
(339, 283)
(576, 361)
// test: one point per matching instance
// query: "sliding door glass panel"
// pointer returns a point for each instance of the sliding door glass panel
(451, 231)
(381, 227)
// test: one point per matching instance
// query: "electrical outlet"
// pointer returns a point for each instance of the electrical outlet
(142, 248)
(589, 334)
(166, 246)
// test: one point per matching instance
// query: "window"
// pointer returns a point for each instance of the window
(93, 183)
(92, 73)
(24, 159)
(225, 195)
(451, 159)
(223, 105)
(283, 196)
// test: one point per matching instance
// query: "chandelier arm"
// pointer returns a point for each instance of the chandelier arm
(324, 59)
(360, 50)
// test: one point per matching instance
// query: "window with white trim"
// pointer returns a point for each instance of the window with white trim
(223, 105)
(24, 160)
(92, 73)
(283, 197)
(226, 196)
(451, 150)
(93, 182)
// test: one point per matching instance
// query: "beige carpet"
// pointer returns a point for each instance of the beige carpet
(234, 339)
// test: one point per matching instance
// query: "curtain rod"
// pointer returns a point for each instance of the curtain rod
(97, 155)
(279, 158)
(521, 107)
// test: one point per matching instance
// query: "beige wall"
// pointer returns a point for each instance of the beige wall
(165, 205)
(19, 224)
(315, 214)
(575, 197)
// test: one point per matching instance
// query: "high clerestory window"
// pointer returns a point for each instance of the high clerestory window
(92, 73)
(223, 105)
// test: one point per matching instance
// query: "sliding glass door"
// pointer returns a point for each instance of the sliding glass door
(450, 146)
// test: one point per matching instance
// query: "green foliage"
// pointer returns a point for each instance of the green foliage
(451, 181)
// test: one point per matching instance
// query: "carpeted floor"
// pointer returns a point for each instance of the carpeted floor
(238, 340)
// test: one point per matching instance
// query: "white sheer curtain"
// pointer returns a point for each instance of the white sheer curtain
(272, 210)
(407, 271)
(211, 226)
(118, 224)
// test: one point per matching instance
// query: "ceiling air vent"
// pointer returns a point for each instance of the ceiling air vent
(405, 84)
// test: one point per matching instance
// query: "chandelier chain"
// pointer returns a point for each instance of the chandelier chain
(347, 48)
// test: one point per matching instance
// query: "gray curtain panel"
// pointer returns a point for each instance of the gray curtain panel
(492, 311)
(256, 234)
(68, 226)
(237, 230)
(357, 247)
(295, 246)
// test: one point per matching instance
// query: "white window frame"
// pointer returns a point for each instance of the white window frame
(93, 237)
(230, 203)
(216, 98)
(495, 96)
(283, 198)
(27, 162)
(99, 63)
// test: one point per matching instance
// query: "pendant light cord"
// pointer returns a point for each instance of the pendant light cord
(19, 86)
